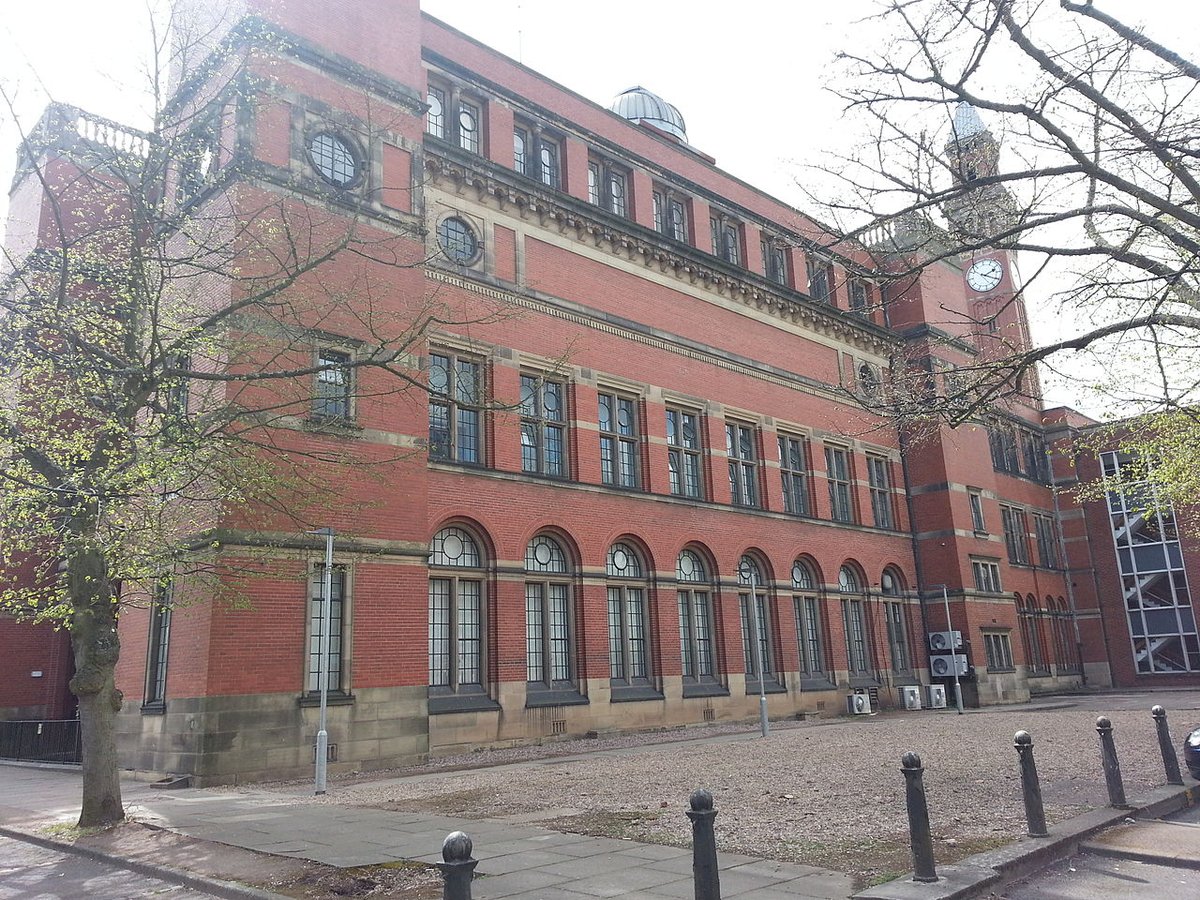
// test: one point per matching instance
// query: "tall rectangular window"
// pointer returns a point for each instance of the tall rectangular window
(726, 241)
(618, 440)
(455, 409)
(1047, 540)
(159, 643)
(316, 626)
(898, 637)
(695, 635)
(549, 168)
(1016, 534)
(547, 633)
(998, 649)
(818, 280)
(854, 619)
(683, 453)
(975, 498)
(455, 633)
(743, 463)
(793, 469)
(543, 426)
(670, 217)
(774, 262)
(837, 472)
(808, 632)
(435, 118)
(334, 378)
(594, 183)
(469, 126)
(607, 187)
(756, 637)
(858, 296)
(627, 660)
(521, 150)
(879, 478)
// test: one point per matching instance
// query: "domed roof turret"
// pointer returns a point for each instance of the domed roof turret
(640, 105)
(967, 123)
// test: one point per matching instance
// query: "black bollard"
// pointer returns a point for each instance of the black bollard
(1112, 767)
(1170, 760)
(1031, 788)
(918, 818)
(705, 875)
(458, 868)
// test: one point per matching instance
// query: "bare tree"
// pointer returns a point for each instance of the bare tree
(1063, 134)
(179, 333)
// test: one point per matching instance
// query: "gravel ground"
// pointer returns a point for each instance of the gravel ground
(826, 793)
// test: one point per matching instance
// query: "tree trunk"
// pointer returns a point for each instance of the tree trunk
(94, 641)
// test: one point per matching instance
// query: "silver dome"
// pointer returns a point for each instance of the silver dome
(640, 105)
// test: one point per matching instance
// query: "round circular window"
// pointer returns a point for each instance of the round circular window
(458, 240)
(334, 158)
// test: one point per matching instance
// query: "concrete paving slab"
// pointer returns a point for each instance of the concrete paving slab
(501, 886)
(654, 851)
(1164, 843)
(620, 882)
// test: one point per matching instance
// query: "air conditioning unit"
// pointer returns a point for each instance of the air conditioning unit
(858, 704)
(941, 641)
(943, 665)
(936, 694)
(910, 696)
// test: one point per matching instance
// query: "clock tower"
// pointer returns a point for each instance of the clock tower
(981, 214)
(980, 211)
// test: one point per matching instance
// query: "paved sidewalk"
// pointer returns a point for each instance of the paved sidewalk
(517, 862)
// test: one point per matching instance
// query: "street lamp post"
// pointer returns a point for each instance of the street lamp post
(322, 753)
(748, 572)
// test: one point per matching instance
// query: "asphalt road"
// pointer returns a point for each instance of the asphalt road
(28, 872)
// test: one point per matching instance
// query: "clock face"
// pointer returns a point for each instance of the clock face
(985, 274)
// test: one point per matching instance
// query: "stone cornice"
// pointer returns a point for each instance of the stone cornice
(620, 237)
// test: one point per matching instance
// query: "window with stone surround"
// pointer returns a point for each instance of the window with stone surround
(684, 453)
(549, 649)
(619, 440)
(456, 395)
(456, 613)
(155, 695)
(740, 441)
(794, 474)
(316, 628)
(628, 618)
(696, 639)
(544, 425)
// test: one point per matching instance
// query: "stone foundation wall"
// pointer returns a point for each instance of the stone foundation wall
(256, 737)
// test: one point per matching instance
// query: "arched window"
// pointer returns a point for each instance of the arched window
(848, 581)
(628, 642)
(695, 620)
(808, 619)
(456, 604)
(755, 607)
(1031, 633)
(854, 618)
(549, 654)
(896, 612)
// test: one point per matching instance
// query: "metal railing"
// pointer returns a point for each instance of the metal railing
(53, 741)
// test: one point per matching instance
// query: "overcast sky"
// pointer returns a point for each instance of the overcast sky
(749, 77)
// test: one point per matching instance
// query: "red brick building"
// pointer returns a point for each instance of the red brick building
(641, 487)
